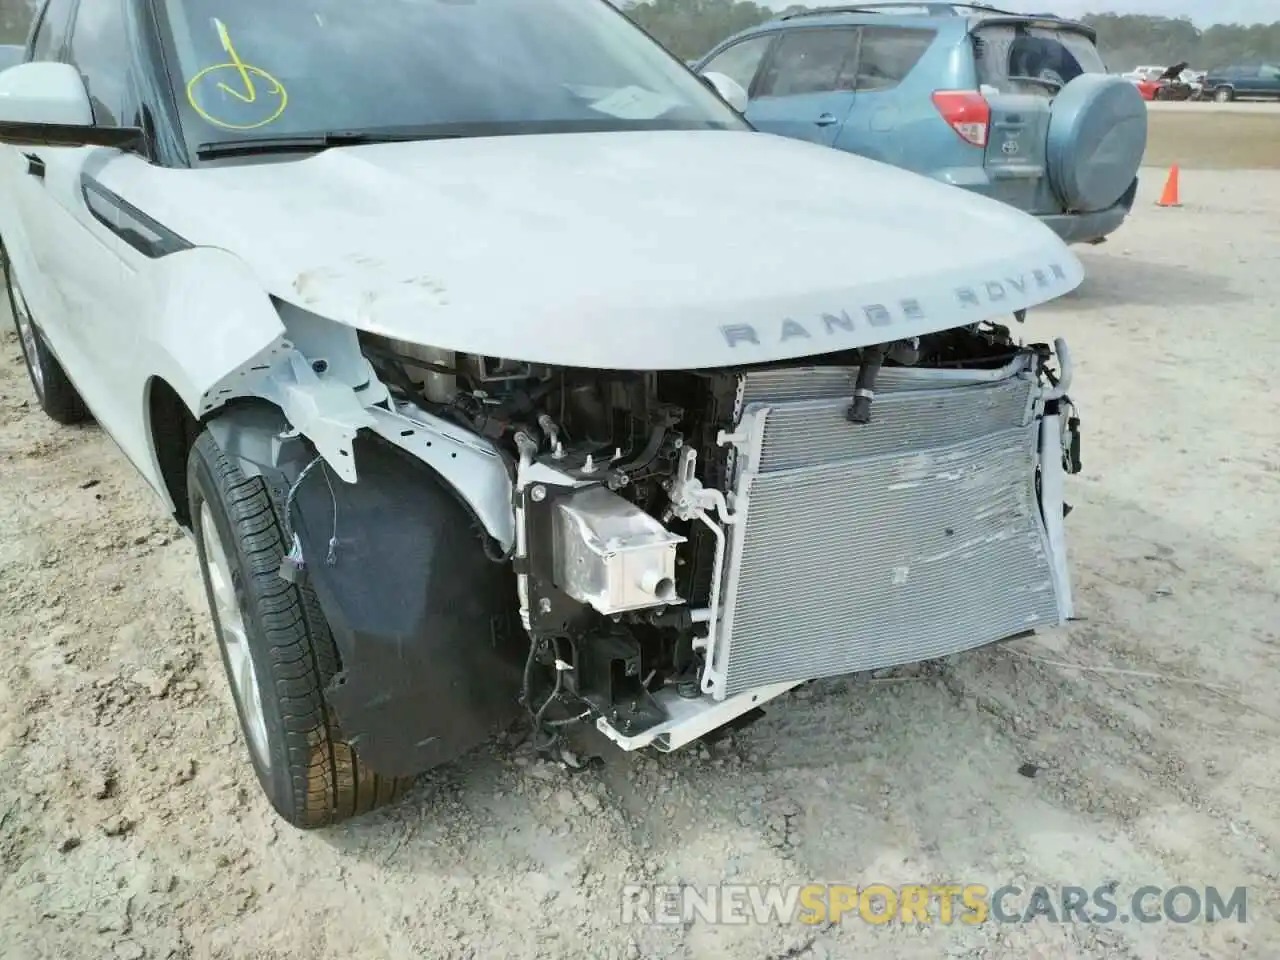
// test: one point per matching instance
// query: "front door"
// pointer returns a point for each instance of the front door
(75, 238)
(805, 90)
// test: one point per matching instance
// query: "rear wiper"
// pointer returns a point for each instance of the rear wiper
(305, 143)
(1053, 85)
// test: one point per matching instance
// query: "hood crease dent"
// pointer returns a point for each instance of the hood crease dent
(653, 250)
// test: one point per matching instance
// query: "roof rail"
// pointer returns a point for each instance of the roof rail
(931, 8)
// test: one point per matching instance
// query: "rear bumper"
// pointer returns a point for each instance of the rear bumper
(1024, 191)
(1086, 227)
(1091, 227)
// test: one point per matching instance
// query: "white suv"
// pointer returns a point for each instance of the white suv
(496, 366)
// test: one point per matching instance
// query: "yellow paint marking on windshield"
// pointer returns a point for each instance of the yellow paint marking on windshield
(269, 102)
(250, 93)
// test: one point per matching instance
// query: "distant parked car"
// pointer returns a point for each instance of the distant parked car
(1224, 84)
(1172, 84)
(1017, 107)
(1139, 74)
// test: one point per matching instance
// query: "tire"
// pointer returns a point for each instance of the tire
(1096, 141)
(1223, 95)
(57, 397)
(280, 655)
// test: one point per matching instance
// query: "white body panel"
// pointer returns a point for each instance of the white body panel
(115, 318)
(639, 250)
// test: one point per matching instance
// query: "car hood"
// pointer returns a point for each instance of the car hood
(652, 250)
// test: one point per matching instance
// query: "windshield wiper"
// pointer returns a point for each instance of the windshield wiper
(307, 143)
(315, 142)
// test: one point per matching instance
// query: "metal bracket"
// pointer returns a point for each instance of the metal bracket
(327, 411)
(747, 439)
(690, 500)
(689, 719)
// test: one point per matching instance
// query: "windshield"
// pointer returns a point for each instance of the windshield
(244, 69)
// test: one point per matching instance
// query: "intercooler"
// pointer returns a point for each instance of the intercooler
(862, 546)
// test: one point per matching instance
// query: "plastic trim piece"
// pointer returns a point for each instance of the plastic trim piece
(425, 623)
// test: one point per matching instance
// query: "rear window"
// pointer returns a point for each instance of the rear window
(1031, 59)
(888, 54)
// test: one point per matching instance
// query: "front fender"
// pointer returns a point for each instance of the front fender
(218, 337)
(424, 622)
(211, 319)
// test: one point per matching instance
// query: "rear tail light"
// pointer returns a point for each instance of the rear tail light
(968, 113)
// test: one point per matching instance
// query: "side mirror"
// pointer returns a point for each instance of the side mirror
(47, 104)
(729, 89)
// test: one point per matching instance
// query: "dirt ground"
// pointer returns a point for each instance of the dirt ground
(131, 826)
(1214, 136)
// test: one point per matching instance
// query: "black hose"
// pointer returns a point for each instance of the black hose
(650, 452)
(864, 390)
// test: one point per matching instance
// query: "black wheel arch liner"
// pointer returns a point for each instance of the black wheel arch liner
(424, 621)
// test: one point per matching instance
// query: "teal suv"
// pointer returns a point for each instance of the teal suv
(1013, 106)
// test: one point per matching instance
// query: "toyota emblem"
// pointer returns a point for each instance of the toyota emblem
(1009, 147)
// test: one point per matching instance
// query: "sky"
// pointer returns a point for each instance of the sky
(1202, 12)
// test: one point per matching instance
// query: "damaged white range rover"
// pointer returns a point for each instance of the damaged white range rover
(496, 366)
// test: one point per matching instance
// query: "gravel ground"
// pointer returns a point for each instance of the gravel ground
(131, 825)
(1208, 107)
(1214, 136)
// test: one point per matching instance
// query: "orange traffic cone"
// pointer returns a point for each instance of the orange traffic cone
(1169, 198)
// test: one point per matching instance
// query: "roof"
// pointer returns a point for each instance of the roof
(932, 8)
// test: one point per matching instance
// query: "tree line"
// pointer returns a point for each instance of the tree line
(689, 28)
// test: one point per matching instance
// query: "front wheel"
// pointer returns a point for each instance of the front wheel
(277, 650)
(54, 391)
(1224, 95)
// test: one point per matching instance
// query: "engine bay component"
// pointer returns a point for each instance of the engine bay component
(679, 538)
(611, 554)
(434, 370)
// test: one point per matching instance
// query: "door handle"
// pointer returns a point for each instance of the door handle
(825, 120)
(35, 166)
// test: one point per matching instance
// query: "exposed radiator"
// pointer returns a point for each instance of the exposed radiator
(861, 546)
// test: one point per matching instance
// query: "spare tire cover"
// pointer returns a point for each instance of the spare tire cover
(1097, 136)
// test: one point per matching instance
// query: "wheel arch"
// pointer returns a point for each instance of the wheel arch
(422, 614)
(172, 430)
